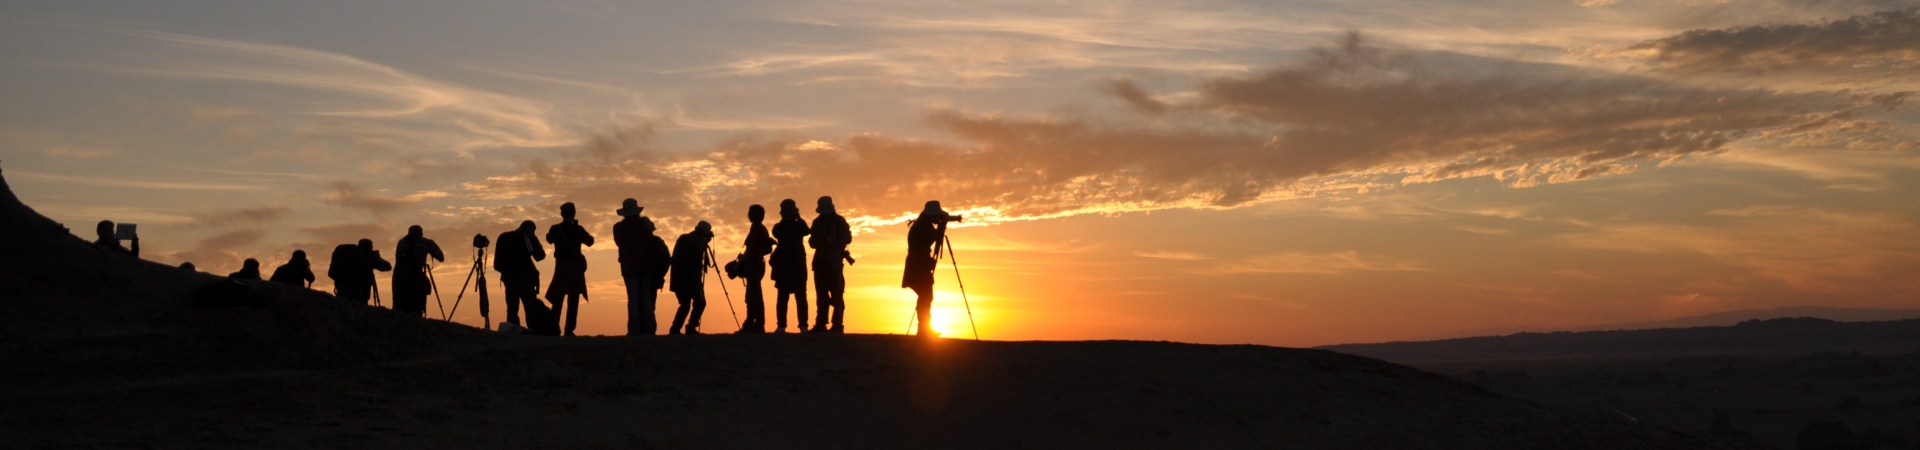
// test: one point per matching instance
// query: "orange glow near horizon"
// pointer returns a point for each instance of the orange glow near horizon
(1197, 177)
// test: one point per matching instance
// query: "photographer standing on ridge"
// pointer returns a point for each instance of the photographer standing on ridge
(644, 261)
(569, 265)
(753, 267)
(924, 237)
(789, 263)
(410, 283)
(513, 256)
(831, 235)
(352, 269)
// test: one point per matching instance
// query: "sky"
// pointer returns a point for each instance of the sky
(1287, 173)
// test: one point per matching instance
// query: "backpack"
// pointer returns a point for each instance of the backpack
(346, 262)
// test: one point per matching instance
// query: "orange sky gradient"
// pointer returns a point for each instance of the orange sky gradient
(1282, 173)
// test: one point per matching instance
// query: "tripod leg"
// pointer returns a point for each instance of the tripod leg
(963, 286)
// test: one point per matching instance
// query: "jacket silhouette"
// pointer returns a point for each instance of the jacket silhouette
(351, 269)
(410, 281)
(644, 262)
(297, 271)
(513, 256)
(689, 278)
(831, 235)
(569, 265)
(789, 266)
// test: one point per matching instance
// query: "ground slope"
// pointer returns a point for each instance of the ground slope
(104, 351)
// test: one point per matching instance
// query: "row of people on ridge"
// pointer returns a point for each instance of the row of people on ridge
(645, 262)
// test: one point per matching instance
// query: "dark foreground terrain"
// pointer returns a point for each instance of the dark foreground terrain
(104, 351)
(1769, 381)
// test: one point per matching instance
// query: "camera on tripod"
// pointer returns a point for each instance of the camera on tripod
(480, 241)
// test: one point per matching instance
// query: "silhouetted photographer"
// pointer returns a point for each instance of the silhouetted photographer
(410, 280)
(249, 271)
(690, 262)
(569, 282)
(351, 269)
(110, 238)
(925, 236)
(513, 256)
(644, 262)
(751, 265)
(296, 272)
(789, 266)
(831, 236)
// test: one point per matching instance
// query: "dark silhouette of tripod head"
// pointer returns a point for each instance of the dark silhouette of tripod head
(480, 241)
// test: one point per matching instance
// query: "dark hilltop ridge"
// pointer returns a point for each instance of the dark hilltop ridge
(104, 351)
(1786, 336)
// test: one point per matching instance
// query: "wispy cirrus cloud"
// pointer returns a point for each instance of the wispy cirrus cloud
(364, 98)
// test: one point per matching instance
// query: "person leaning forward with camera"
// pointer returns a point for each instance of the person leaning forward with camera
(569, 265)
(518, 250)
(924, 237)
(689, 278)
(410, 283)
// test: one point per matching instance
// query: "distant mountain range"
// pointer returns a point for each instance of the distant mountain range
(1721, 319)
(1769, 337)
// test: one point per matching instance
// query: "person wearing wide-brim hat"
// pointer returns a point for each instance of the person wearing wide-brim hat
(831, 235)
(644, 261)
(924, 238)
(689, 278)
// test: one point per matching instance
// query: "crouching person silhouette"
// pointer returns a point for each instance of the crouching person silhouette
(513, 256)
(249, 270)
(410, 282)
(110, 240)
(689, 278)
(297, 271)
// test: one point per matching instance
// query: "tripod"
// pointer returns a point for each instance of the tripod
(478, 273)
(723, 289)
